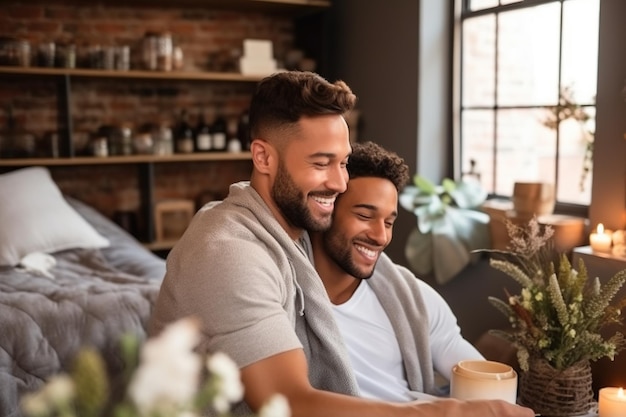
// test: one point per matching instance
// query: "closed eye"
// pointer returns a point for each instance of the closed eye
(363, 216)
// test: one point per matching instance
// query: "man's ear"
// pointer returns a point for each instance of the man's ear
(263, 156)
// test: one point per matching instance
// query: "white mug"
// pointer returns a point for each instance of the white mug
(483, 380)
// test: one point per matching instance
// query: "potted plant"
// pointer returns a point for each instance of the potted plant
(557, 321)
(449, 226)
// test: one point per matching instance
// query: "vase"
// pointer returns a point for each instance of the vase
(557, 393)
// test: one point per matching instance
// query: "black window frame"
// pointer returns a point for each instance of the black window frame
(462, 11)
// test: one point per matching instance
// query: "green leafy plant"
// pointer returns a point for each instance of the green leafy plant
(559, 313)
(449, 225)
(430, 202)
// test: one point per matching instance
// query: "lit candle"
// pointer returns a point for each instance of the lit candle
(600, 241)
(611, 402)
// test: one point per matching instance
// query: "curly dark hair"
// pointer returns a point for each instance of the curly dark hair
(371, 160)
(283, 98)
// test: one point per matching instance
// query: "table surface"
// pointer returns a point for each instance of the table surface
(444, 392)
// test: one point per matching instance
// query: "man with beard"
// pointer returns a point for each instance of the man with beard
(397, 328)
(242, 268)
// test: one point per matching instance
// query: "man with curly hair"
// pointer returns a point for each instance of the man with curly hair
(397, 329)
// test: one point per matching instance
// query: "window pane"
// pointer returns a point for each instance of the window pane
(482, 4)
(528, 56)
(526, 149)
(479, 48)
(477, 145)
(512, 64)
(580, 48)
(573, 140)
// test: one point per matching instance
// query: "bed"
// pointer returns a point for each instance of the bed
(101, 284)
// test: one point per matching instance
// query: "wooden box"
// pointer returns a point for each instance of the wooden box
(171, 218)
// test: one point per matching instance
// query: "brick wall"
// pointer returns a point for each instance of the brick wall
(116, 188)
(204, 34)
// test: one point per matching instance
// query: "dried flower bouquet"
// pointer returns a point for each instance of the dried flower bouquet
(559, 313)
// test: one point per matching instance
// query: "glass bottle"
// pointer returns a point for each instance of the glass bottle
(219, 134)
(16, 142)
(203, 136)
(183, 136)
(234, 144)
(243, 131)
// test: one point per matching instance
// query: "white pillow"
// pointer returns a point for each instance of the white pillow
(34, 217)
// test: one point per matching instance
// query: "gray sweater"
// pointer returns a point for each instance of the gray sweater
(257, 294)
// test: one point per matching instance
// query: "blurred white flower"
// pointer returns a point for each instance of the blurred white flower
(169, 372)
(229, 386)
(276, 406)
(60, 389)
(34, 404)
(58, 392)
(168, 381)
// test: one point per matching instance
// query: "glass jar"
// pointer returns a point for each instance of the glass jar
(121, 141)
(46, 54)
(165, 49)
(100, 146)
(143, 143)
(122, 58)
(177, 58)
(163, 140)
(66, 55)
(14, 52)
(149, 51)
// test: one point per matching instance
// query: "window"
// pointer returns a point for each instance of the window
(518, 59)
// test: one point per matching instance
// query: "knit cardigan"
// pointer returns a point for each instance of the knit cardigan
(245, 229)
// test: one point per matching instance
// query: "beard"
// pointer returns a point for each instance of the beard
(339, 250)
(293, 203)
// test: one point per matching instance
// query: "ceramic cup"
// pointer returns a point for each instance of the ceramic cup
(483, 380)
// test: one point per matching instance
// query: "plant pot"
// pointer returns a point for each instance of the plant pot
(533, 198)
(557, 393)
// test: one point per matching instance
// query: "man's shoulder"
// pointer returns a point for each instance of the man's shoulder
(393, 273)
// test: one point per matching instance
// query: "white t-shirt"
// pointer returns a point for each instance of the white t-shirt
(373, 347)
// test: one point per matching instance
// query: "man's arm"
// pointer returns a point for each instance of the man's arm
(448, 346)
(287, 373)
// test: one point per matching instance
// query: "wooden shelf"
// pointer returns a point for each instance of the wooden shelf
(131, 159)
(136, 74)
(586, 251)
(299, 7)
(292, 7)
(302, 6)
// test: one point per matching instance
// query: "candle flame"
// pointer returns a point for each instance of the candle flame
(620, 393)
(600, 228)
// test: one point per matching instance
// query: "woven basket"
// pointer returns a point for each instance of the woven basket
(553, 393)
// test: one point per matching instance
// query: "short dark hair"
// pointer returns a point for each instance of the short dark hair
(371, 160)
(283, 98)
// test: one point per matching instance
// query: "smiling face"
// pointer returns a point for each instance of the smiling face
(362, 225)
(312, 172)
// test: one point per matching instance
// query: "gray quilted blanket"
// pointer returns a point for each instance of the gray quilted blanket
(96, 296)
